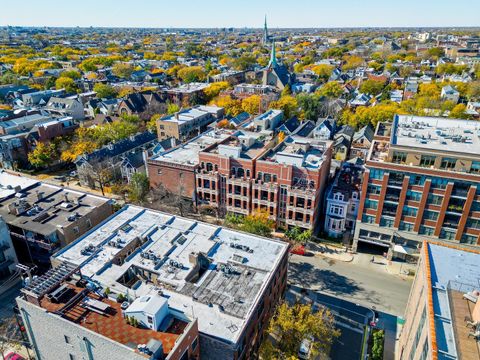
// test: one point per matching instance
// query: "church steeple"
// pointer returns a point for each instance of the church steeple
(273, 57)
(265, 31)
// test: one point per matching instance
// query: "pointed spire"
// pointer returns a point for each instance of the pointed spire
(273, 56)
(265, 31)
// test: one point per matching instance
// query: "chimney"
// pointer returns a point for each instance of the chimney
(66, 197)
(39, 195)
(176, 115)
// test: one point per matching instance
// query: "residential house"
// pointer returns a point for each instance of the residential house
(65, 107)
(139, 103)
(361, 142)
(450, 93)
(342, 201)
(109, 160)
(325, 129)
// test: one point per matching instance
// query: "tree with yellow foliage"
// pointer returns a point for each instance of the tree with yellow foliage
(191, 74)
(352, 62)
(252, 104)
(232, 107)
(291, 324)
(76, 149)
(43, 155)
(66, 83)
(323, 71)
(288, 104)
(215, 88)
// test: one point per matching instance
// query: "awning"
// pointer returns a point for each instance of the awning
(404, 250)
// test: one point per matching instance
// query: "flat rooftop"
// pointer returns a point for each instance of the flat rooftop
(452, 270)
(9, 184)
(236, 267)
(41, 207)
(299, 151)
(249, 144)
(436, 133)
(191, 114)
(187, 153)
(189, 88)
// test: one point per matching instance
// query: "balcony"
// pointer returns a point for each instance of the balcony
(460, 193)
(237, 210)
(260, 185)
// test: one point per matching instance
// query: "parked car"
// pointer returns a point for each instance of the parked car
(305, 349)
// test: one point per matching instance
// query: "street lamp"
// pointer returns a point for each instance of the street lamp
(372, 309)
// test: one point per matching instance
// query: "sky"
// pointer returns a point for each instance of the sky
(240, 13)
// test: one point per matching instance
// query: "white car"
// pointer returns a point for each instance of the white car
(305, 349)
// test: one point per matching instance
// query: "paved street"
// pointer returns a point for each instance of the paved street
(361, 281)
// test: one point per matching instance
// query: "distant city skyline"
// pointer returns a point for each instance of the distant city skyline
(238, 14)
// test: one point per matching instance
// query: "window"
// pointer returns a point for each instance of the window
(159, 171)
(439, 183)
(338, 196)
(337, 210)
(425, 230)
(447, 234)
(409, 211)
(448, 163)
(468, 239)
(376, 174)
(368, 219)
(386, 222)
(76, 230)
(194, 344)
(89, 223)
(430, 215)
(405, 226)
(418, 180)
(67, 339)
(418, 333)
(434, 199)
(473, 223)
(475, 168)
(373, 189)
(399, 157)
(427, 160)
(413, 195)
(150, 319)
(371, 204)
(162, 127)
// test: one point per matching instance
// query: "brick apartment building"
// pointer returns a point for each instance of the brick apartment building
(249, 171)
(421, 182)
(175, 170)
(443, 306)
(211, 289)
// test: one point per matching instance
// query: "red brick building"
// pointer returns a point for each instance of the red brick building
(249, 172)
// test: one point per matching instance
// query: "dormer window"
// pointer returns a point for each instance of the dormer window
(338, 196)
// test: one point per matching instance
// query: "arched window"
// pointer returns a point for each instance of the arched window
(209, 167)
(240, 172)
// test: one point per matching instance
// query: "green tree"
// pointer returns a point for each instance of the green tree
(43, 155)
(310, 105)
(138, 187)
(377, 347)
(290, 325)
(105, 91)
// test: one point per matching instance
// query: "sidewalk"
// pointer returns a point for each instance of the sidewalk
(331, 252)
